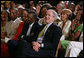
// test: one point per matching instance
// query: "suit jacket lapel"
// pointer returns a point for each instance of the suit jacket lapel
(32, 29)
(25, 28)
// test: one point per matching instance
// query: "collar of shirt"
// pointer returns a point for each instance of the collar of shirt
(47, 27)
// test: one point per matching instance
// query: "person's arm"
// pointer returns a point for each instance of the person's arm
(75, 36)
(77, 32)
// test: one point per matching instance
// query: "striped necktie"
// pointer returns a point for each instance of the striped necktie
(42, 32)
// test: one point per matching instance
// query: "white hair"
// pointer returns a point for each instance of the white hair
(55, 15)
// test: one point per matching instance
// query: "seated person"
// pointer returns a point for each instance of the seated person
(12, 25)
(75, 30)
(4, 19)
(74, 47)
(65, 24)
(10, 29)
(45, 45)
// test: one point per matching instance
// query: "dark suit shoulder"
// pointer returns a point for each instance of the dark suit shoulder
(55, 26)
(36, 22)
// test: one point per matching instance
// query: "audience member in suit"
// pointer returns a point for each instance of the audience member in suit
(45, 45)
(29, 29)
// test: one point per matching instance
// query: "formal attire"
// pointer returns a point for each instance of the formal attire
(50, 41)
(30, 31)
(24, 32)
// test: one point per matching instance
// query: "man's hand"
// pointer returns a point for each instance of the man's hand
(36, 46)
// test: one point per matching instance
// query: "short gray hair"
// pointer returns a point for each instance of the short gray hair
(60, 5)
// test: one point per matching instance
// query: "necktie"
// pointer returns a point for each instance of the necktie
(42, 32)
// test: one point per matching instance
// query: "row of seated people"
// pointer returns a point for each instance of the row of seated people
(65, 25)
(70, 30)
(74, 32)
(29, 41)
(20, 28)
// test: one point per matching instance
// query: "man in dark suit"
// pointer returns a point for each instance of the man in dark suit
(45, 45)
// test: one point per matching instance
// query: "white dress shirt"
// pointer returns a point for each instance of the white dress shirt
(29, 29)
